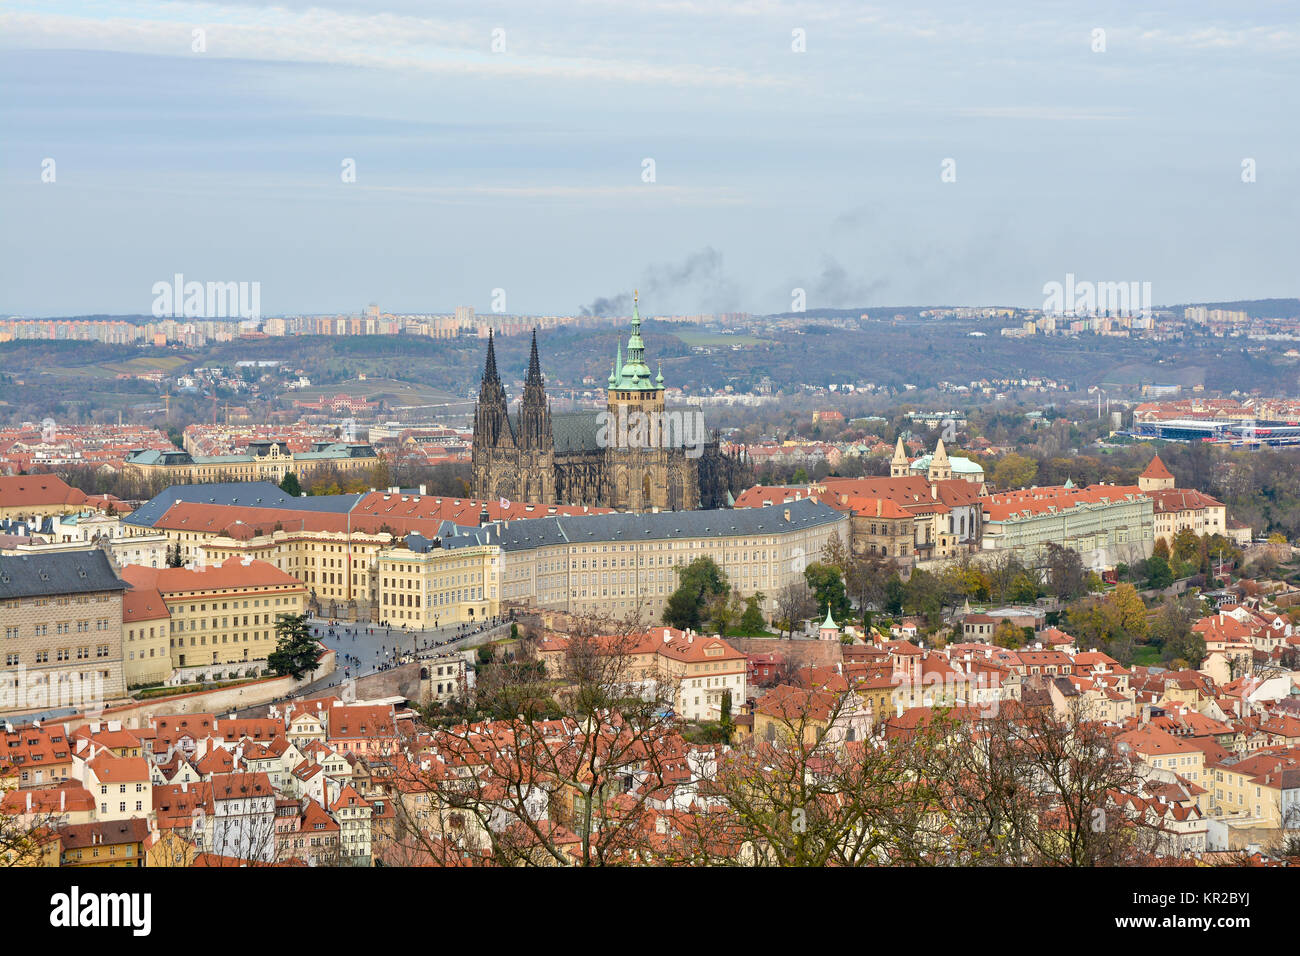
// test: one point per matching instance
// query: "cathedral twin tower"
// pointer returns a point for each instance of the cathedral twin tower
(575, 458)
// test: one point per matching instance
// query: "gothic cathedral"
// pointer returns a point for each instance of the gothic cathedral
(667, 459)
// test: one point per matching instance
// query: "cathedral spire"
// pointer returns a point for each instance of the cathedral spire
(534, 365)
(534, 410)
(534, 383)
(490, 375)
(634, 374)
(491, 419)
(635, 347)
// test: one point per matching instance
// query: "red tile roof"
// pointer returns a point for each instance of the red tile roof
(375, 512)
(109, 768)
(233, 573)
(68, 797)
(26, 491)
(760, 496)
(1169, 500)
(1156, 469)
(143, 604)
(1056, 498)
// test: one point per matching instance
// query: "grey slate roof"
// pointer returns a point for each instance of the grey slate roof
(249, 493)
(524, 534)
(65, 572)
(718, 523)
(451, 536)
(323, 504)
(578, 431)
(574, 431)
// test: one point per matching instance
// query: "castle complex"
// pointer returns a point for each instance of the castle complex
(634, 455)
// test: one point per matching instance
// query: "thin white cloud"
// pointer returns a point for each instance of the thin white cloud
(380, 41)
(1221, 38)
(218, 186)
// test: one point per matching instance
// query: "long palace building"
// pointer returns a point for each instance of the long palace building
(412, 558)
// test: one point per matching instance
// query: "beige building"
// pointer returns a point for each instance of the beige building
(121, 786)
(1106, 524)
(1161, 751)
(923, 511)
(612, 564)
(336, 567)
(1260, 790)
(61, 615)
(373, 573)
(1176, 509)
(442, 678)
(264, 461)
(222, 618)
(146, 636)
(697, 668)
(419, 588)
(624, 565)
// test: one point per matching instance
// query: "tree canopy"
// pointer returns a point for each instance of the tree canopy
(296, 650)
(698, 584)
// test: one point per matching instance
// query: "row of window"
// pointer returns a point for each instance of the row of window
(61, 655)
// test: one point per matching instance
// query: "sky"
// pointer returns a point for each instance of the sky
(915, 153)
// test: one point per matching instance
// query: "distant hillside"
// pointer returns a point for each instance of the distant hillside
(877, 312)
(1255, 308)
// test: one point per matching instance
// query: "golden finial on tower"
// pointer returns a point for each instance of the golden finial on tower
(634, 296)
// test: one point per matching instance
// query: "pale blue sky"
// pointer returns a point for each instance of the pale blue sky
(521, 170)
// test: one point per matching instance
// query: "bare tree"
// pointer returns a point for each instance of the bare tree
(794, 605)
(533, 788)
(808, 792)
(1028, 786)
(24, 831)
